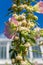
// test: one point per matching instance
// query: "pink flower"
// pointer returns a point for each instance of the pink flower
(41, 3)
(41, 6)
(12, 19)
(9, 31)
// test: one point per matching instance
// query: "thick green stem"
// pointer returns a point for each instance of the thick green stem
(18, 2)
(28, 2)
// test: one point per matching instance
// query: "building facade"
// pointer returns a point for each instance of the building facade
(32, 56)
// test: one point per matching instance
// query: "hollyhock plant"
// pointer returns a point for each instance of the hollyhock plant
(21, 29)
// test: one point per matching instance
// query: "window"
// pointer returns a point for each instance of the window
(36, 52)
(2, 50)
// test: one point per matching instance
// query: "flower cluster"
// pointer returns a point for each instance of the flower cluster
(23, 6)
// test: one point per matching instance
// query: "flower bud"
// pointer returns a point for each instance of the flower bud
(16, 38)
(25, 5)
(35, 18)
(22, 6)
(32, 24)
(21, 17)
(27, 44)
(13, 61)
(25, 52)
(15, 16)
(24, 23)
(14, 6)
(18, 57)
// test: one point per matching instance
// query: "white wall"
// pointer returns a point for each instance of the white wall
(40, 61)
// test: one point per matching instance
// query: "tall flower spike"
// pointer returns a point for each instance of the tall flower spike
(20, 27)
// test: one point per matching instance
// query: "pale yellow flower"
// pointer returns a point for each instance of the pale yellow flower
(22, 6)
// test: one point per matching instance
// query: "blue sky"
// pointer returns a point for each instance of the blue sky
(4, 5)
